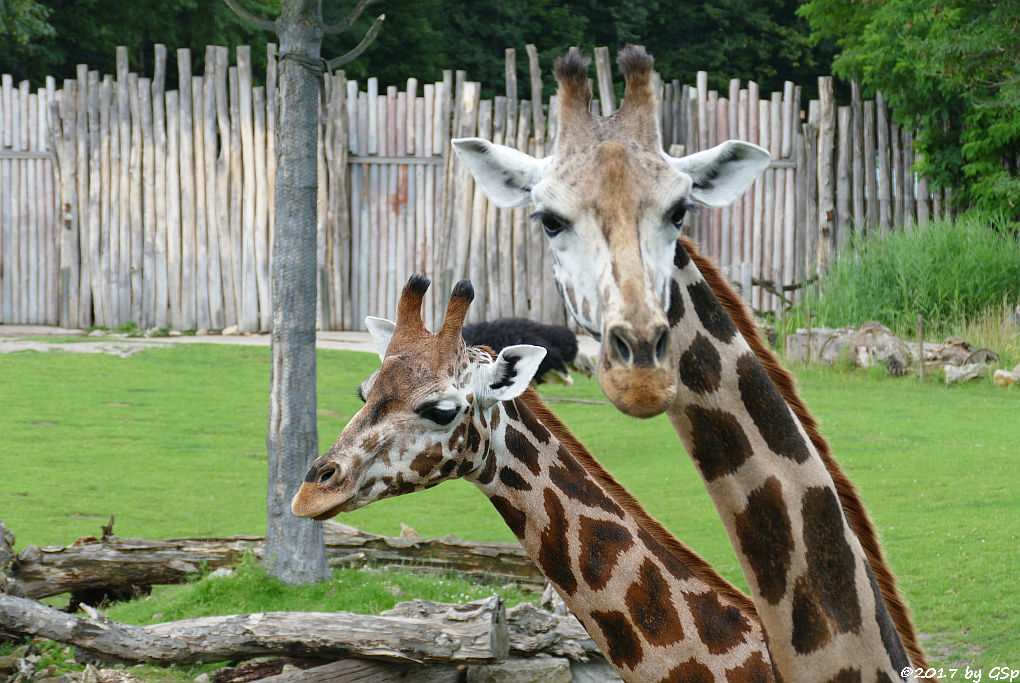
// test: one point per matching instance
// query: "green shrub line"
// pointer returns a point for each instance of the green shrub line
(951, 272)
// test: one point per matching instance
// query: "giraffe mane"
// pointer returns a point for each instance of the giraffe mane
(849, 497)
(697, 565)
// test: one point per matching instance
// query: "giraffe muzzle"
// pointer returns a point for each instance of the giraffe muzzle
(635, 370)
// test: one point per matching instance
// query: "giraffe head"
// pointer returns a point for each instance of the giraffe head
(426, 413)
(612, 204)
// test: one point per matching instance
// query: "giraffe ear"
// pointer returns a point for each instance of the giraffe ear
(722, 173)
(381, 330)
(510, 375)
(505, 174)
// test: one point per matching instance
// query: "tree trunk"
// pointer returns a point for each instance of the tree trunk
(295, 550)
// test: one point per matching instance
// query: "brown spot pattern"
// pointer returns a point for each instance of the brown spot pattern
(766, 538)
(676, 304)
(830, 560)
(520, 447)
(754, 670)
(624, 647)
(710, 313)
(718, 443)
(691, 671)
(514, 518)
(512, 479)
(720, 626)
(474, 439)
(680, 257)
(370, 442)
(768, 410)
(651, 606)
(427, 460)
(488, 466)
(810, 627)
(534, 427)
(575, 482)
(554, 555)
(883, 677)
(601, 544)
(700, 366)
(447, 469)
(464, 467)
(847, 675)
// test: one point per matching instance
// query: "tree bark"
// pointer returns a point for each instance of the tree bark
(295, 549)
(474, 632)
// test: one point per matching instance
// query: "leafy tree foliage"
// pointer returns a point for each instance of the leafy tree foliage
(63, 33)
(949, 69)
(22, 24)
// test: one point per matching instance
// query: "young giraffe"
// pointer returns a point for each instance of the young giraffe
(438, 410)
(612, 204)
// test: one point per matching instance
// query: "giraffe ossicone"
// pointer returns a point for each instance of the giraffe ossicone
(676, 339)
(438, 410)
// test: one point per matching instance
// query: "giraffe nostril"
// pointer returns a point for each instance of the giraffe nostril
(620, 345)
(662, 345)
(325, 474)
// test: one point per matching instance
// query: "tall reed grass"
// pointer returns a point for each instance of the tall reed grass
(960, 274)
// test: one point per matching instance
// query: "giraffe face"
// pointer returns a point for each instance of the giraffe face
(613, 212)
(425, 420)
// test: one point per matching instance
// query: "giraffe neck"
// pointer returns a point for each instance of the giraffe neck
(810, 579)
(853, 506)
(656, 609)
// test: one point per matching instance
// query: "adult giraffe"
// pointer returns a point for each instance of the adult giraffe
(438, 410)
(677, 339)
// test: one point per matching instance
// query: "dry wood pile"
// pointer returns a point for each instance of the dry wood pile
(416, 640)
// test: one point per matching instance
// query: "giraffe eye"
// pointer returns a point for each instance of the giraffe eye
(677, 214)
(441, 416)
(551, 223)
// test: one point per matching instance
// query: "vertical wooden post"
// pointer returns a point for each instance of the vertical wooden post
(884, 168)
(870, 179)
(604, 76)
(826, 189)
(160, 295)
(844, 219)
(896, 154)
(857, 152)
(186, 141)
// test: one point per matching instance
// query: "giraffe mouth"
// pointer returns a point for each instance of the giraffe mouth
(332, 512)
(312, 504)
(637, 391)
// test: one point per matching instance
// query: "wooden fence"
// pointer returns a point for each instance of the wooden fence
(133, 203)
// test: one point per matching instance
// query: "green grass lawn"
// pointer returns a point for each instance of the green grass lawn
(172, 442)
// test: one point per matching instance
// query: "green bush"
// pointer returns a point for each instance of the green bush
(950, 272)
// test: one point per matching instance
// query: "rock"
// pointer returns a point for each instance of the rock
(552, 602)
(229, 330)
(222, 573)
(98, 333)
(530, 670)
(175, 333)
(6, 553)
(201, 332)
(598, 670)
(202, 678)
(407, 531)
(1005, 378)
(964, 373)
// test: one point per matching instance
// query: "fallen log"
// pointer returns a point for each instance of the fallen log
(112, 562)
(474, 632)
(531, 630)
